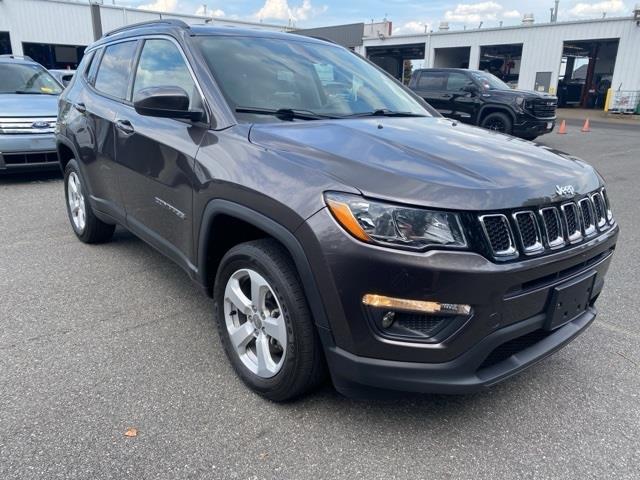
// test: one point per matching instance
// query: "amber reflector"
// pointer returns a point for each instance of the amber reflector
(381, 301)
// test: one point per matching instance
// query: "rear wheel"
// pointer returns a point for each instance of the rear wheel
(498, 122)
(264, 322)
(87, 227)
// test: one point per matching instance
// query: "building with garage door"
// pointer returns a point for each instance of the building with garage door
(579, 61)
(56, 32)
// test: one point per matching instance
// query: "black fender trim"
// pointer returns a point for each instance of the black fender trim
(496, 106)
(60, 140)
(224, 207)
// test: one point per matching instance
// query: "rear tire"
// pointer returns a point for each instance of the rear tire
(87, 227)
(497, 122)
(259, 301)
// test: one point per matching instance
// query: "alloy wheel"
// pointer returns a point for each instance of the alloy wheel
(255, 323)
(75, 200)
(496, 125)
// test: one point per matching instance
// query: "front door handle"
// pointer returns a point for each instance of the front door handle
(125, 126)
(80, 107)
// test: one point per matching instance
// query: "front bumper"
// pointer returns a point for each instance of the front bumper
(509, 301)
(353, 375)
(24, 152)
(533, 127)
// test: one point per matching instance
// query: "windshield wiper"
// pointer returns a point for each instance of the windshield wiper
(384, 112)
(30, 92)
(284, 113)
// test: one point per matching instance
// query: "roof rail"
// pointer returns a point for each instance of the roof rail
(11, 55)
(169, 21)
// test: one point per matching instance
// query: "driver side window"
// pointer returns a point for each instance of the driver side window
(162, 65)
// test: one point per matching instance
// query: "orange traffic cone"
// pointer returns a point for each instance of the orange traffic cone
(586, 127)
(563, 128)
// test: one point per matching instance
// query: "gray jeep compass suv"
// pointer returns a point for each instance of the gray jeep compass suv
(340, 224)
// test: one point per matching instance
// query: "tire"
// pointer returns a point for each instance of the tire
(287, 372)
(87, 227)
(497, 122)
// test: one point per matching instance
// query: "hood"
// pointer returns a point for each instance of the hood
(430, 161)
(25, 105)
(528, 94)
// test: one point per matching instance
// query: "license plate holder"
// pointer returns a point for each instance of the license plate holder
(569, 300)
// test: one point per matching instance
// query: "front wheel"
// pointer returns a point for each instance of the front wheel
(498, 122)
(264, 322)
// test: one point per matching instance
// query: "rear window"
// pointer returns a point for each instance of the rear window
(432, 80)
(113, 74)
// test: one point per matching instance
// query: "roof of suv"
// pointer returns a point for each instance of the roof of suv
(175, 26)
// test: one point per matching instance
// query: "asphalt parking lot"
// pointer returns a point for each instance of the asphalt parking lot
(95, 340)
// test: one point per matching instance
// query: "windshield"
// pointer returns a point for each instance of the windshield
(297, 75)
(490, 82)
(27, 78)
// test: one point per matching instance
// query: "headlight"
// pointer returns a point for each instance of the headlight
(522, 103)
(393, 225)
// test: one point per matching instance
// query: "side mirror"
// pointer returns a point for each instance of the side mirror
(470, 88)
(167, 102)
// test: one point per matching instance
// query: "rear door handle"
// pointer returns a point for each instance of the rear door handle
(125, 126)
(80, 107)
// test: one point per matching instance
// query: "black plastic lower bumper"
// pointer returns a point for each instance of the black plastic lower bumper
(533, 128)
(356, 376)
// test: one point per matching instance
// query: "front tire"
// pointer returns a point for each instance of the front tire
(264, 322)
(87, 227)
(497, 122)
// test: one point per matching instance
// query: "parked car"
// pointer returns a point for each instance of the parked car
(358, 232)
(28, 109)
(479, 98)
(62, 76)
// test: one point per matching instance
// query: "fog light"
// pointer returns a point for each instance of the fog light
(388, 319)
(415, 305)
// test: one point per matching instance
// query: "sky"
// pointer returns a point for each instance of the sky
(408, 16)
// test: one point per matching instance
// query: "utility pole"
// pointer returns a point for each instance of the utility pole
(96, 20)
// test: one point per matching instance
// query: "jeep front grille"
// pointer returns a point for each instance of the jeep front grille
(498, 232)
(21, 125)
(528, 231)
(532, 232)
(586, 210)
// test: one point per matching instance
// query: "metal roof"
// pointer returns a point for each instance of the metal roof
(349, 36)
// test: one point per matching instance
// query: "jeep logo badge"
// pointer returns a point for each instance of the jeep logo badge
(565, 190)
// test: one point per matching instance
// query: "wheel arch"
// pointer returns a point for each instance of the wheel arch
(208, 258)
(66, 152)
(495, 108)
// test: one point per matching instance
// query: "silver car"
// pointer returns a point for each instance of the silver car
(28, 111)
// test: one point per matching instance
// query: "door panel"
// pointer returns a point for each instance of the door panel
(156, 156)
(460, 103)
(431, 86)
(99, 106)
